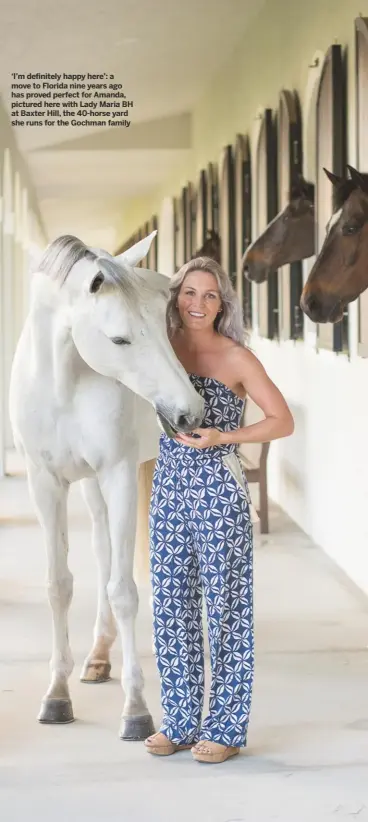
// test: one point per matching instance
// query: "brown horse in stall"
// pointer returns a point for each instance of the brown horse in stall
(289, 237)
(340, 272)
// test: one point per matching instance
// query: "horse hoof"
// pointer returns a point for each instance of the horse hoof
(136, 728)
(56, 711)
(96, 672)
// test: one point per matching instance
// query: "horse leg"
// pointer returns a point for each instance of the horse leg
(119, 489)
(50, 498)
(97, 666)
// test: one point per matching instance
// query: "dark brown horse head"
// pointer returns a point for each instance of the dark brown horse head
(340, 272)
(211, 247)
(288, 237)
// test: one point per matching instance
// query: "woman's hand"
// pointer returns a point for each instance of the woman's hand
(206, 438)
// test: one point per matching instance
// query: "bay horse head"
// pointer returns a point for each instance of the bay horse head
(340, 272)
(289, 237)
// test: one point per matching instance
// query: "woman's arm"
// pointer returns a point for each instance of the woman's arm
(278, 420)
(278, 423)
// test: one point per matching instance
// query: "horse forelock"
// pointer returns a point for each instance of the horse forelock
(301, 188)
(61, 255)
(342, 192)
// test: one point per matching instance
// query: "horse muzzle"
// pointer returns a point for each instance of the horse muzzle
(178, 423)
(322, 309)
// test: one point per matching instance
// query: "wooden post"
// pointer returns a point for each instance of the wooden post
(141, 558)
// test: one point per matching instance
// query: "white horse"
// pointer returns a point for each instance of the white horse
(92, 369)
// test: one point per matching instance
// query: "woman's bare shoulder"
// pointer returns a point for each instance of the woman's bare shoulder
(245, 362)
(227, 345)
(240, 353)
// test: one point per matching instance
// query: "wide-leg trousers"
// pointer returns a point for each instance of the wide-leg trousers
(201, 541)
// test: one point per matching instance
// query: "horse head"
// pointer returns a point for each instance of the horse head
(288, 237)
(340, 272)
(116, 314)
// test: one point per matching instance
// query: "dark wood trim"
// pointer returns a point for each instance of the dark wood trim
(341, 330)
(295, 322)
(336, 59)
(190, 221)
(266, 159)
(139, 236)
(213, 216)
(243, 220)
(176, 232)
(201, 221)
(145, 263)
(361, 30)
(272, 198)
(155, 243)
(180, 222)
(184, 207)
(152, 256)
(227, 213)
(193, 214)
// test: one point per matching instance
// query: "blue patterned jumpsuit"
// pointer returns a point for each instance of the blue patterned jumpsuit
(201, 538)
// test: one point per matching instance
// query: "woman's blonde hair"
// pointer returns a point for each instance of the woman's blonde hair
(229, 321)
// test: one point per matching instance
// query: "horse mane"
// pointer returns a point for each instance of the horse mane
(343, 190)
(63, 253)
(117, 275)
(60, 256)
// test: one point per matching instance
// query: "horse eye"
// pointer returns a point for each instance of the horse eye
(120, 341)
(350, 229)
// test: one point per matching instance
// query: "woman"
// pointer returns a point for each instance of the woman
(200, 522)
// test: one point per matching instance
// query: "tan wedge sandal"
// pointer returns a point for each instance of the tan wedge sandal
(213, 752)
(160, 745)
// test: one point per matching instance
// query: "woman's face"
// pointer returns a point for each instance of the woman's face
(199, 300)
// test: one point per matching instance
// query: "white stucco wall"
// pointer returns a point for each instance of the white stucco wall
(320, 474)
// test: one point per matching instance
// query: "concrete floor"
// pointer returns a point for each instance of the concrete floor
(308, 742)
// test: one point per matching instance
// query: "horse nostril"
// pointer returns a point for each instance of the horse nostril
(184, 422)
(312, 303)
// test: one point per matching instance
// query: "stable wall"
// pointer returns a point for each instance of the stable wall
(275, 53)
(319, 475)
(20, 226)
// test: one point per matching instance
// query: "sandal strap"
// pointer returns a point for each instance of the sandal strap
(155, 738)
(207, 746)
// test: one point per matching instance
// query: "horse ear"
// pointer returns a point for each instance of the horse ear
(358, 179)
(301, 188)
(137, 252)
(333, 178)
